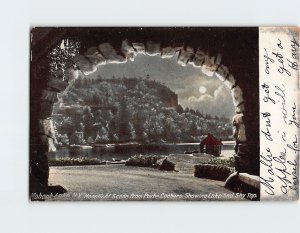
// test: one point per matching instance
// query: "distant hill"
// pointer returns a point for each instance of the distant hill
(129, 109)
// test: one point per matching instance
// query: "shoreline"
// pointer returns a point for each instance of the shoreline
(187, 158)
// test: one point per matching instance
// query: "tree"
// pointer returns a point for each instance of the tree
(89, 131)
(101, 136)
(90, 140)
(138, 125)
(67, 127)
(192, 111)
(87, 116)
(167, 130)
(62, 139)
(193, 129)
(132, 132)
(124, 129)
(61, 55)
(112, 129)
(198, 113)
(77, 138)
(179, 109)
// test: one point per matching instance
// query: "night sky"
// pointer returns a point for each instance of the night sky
(195, 90)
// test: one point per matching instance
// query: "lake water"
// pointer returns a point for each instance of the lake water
(120, 152)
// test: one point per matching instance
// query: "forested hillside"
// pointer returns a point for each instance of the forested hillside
(129, 109)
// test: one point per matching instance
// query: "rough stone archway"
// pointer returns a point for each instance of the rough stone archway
(230, 55)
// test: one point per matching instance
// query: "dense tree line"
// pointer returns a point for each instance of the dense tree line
(129, 109)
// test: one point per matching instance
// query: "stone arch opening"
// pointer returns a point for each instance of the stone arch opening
(93, 57)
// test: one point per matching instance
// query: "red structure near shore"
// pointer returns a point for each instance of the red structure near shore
(211, 145)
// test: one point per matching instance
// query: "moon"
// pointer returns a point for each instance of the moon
(202, 89)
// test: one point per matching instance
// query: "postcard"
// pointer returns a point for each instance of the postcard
(164, 114)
